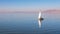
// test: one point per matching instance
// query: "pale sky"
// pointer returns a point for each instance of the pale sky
(28, 5)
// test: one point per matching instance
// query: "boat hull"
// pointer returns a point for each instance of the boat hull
(41, 19)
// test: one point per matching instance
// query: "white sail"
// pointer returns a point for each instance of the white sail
(39, 15)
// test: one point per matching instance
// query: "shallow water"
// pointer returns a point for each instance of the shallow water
(26, 23)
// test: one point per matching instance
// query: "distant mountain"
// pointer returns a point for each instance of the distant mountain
(52, 11)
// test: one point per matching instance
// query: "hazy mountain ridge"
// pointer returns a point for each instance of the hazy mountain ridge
(46, 11)
(52, 11)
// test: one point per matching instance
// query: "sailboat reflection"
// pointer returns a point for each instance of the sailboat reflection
(39, 22)
(40, 19)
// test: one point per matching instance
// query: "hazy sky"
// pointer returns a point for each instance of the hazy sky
(28, 5)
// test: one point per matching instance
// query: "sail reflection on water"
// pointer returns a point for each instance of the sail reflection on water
(39, 22)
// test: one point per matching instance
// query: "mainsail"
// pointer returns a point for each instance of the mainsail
(39, 15)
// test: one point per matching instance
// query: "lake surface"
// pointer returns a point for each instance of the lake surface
(27, 23)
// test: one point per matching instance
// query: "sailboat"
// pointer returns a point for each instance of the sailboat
(40, 16)
(40, 19)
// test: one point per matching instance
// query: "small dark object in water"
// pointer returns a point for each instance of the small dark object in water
(41, 19)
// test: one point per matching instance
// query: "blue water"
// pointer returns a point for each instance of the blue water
(27, 23)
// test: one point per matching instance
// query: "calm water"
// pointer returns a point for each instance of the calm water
(22, 23)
